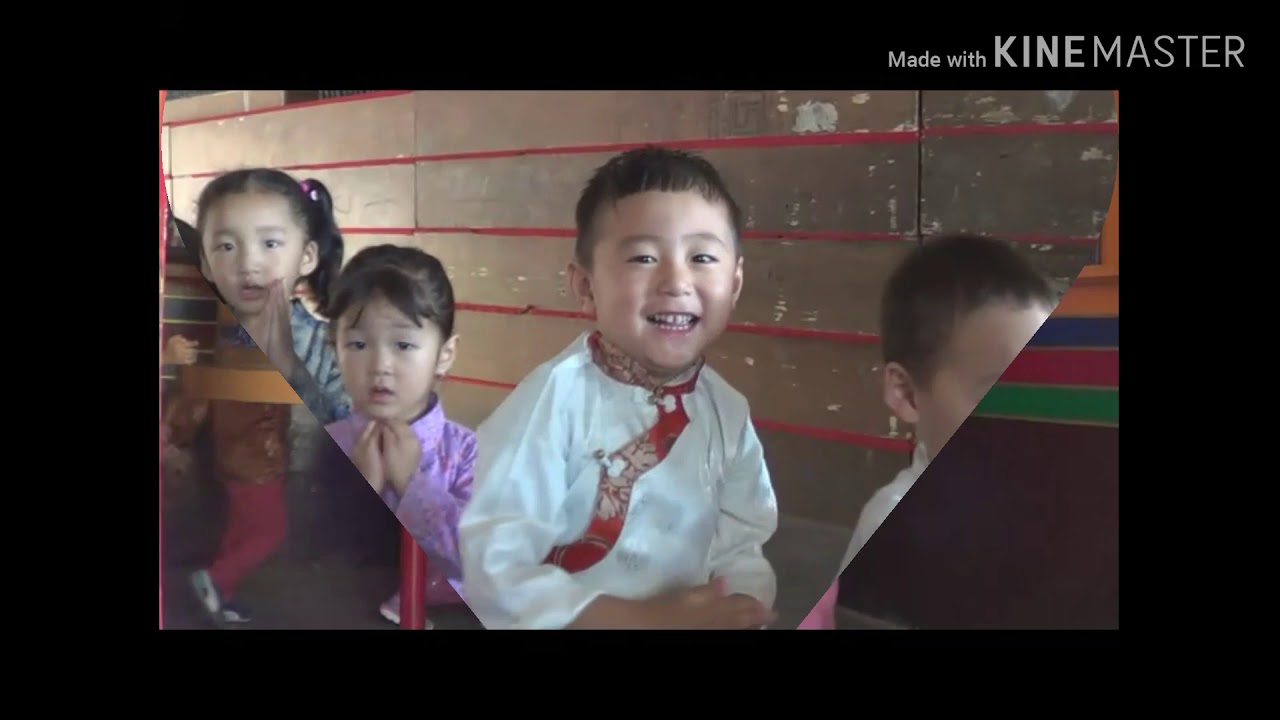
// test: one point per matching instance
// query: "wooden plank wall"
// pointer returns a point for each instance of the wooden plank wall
(1037, 167)
(837, 186)
(1070, 371)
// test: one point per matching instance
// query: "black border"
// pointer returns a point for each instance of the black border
(1185, 201)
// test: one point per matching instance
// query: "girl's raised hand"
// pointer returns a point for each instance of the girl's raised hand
(273, 331)
(281, 343)
(367, 456)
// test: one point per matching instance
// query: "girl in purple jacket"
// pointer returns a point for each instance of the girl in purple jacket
(392, 310)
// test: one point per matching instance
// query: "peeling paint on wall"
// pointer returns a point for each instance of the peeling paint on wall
(812, 117)
(1002, 114)
(1094, 153)
(1061, 99)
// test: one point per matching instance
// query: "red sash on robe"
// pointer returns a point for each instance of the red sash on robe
(624, 466)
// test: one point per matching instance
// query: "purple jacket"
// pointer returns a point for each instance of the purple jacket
(437, 493)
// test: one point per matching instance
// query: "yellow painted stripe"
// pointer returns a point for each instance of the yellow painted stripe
(1096, 293)
(261, 386)
(168, 321)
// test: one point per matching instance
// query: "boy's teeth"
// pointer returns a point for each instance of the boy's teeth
(667, 319)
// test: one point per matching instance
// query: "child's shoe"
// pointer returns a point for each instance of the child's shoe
(236, 613)
(390, 611)
(211, 600)
(206, 592)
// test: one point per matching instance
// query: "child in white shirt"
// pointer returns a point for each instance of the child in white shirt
(954, 315)
(622, 484)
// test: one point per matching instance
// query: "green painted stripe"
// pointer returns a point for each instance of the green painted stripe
(1095, 405)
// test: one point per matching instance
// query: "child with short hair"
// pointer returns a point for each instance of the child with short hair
(954, 315)
(392, 308)
(261, 234)
(622, 484)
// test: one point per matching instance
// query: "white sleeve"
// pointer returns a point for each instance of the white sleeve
(510, 524)
(873, 515)
(748, 518)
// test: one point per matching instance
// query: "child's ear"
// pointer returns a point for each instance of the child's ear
(737, 280)
(448, 351)
(310, 258)
(900, 393)
(580, 282)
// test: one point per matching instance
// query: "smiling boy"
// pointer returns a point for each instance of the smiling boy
(622, 484)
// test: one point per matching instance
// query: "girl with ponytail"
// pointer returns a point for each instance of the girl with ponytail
(262, 235)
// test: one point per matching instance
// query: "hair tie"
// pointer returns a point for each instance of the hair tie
(309, 191)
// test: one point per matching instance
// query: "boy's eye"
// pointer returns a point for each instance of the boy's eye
(224, 247)
(643, 259)
(703, 258)
(405, 345)
(273, 244)
(355, 345)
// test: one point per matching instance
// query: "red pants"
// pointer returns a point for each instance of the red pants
(257, 521)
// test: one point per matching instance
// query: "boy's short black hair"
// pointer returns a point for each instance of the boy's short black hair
(413, 281)
(643, 170)
(940, 284)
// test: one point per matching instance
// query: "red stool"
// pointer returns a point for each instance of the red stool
(413, 584)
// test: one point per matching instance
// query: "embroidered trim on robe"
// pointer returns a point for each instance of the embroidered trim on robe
(621, 469)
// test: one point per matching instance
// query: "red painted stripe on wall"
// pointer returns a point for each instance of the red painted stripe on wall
(293, 106)
(570, 232)
(822, 235)
(1065, 367)
(856, 338)
(869, 137)
(1099, 128)
(754, 141)
(867, 440)
(981, 129)
(873, 442)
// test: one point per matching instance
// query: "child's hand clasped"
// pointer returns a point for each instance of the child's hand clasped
(401, 453)
(387, 452)
(367, 456)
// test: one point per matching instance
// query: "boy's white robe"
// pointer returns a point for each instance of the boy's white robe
(883, 502)
(703, 512)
